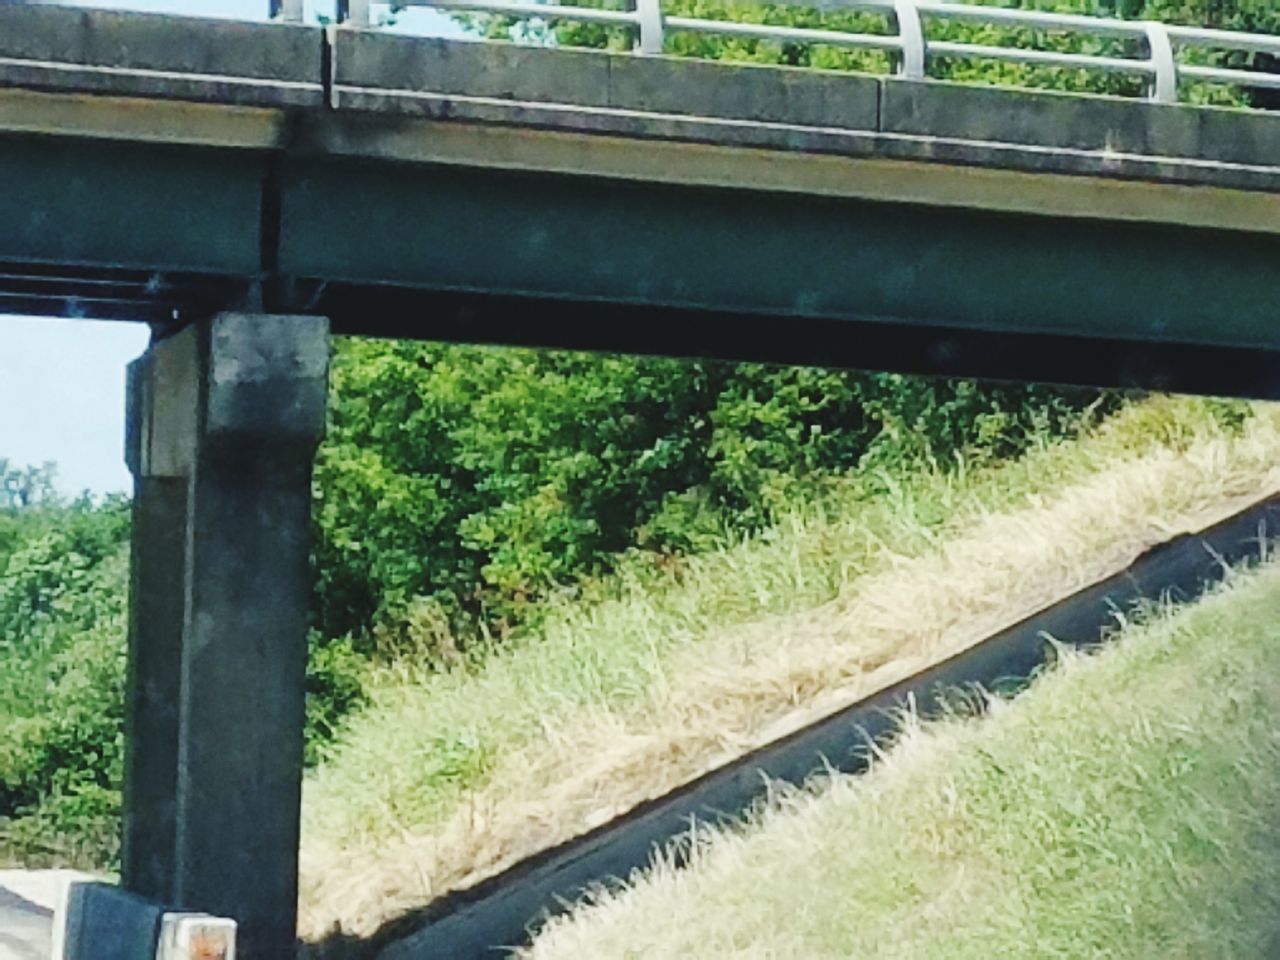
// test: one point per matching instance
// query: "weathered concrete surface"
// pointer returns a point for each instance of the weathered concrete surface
(366, 62)
(224, 419)
(137, 54)
(1051, 119)
(801, 110)
(275, 66)
(26, 928)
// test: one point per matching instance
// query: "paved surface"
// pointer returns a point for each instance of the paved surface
(26, 928)
(27, 902)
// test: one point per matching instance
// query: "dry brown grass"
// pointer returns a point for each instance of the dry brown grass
(737, 688)
(1124, 806)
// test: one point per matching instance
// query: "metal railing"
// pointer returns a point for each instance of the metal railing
(1155, 55)
(288, 10)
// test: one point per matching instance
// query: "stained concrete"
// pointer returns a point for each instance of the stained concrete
(224, 417)
(125, 52)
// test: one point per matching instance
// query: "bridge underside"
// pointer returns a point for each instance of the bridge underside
(165, 233)
(450, 253)
(482, 192)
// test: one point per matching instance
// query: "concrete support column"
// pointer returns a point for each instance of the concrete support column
(224, 418)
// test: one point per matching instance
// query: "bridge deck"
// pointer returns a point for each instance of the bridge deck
(171, 166)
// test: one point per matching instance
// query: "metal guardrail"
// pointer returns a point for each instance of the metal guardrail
(1156, 58)
(291, 11)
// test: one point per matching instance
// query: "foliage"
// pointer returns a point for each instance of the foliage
(667, 668)
(335, 687)
(461, 486)
(63, 570)
(1258, 16)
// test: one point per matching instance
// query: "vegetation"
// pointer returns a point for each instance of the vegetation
(449, 776)
(1125, 806)
(62, 622)
(460, 487)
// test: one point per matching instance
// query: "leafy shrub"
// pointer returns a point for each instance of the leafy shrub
(63, 594)
(461, 486)
(335, 687)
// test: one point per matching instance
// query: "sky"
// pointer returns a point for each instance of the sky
(62, 381)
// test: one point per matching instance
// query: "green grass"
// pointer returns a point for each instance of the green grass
(406, 806)
(1126, 806)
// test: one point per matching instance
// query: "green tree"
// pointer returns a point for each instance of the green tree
(480, 481)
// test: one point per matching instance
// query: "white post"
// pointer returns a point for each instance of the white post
(355, 13)
(911, 36)
(289, 11)
(1164, 87)
(649, 16)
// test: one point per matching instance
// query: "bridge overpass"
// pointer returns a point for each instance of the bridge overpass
(444, 189)
(244, 188)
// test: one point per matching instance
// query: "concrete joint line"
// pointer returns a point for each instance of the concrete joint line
(54, 66)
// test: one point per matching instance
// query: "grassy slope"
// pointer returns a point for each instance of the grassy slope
(450, 777)
(1127, 805)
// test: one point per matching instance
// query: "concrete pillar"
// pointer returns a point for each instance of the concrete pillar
(224, 417)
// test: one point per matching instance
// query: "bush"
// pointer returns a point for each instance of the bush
(465, 485)
(63, 594)
(335, 687)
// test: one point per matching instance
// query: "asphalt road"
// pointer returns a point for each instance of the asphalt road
(25, 928)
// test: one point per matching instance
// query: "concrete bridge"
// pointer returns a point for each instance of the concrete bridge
(438, 189)
(245, 188)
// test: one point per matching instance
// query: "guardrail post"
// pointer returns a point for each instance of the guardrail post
(290, 11)
(355, 13)
(649, 16)
(911, 35)
(1164, 87)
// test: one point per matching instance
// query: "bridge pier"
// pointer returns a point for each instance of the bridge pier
(223, 420)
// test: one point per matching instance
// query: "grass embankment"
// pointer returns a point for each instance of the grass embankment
(447, 778)
(1126, 805)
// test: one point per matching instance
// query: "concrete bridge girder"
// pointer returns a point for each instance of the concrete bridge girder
(344, 159)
